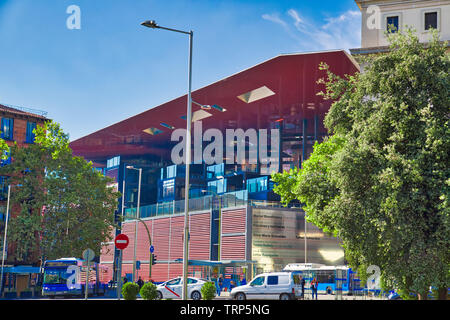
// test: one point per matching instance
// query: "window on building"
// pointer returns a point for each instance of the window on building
(113, 162)
(3, 188)
(171, 171)
(7, 128)
(258, 184)
(431, 20)
(168, 189)
(7, 160)
(30, 134)
(218, 186)
(392, 24)
(215, 171)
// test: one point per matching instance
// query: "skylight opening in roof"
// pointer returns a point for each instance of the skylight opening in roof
(256, 94)
(153, 131)
(198, 115)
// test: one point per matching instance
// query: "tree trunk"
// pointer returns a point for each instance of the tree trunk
(442, 293)
(423, 295)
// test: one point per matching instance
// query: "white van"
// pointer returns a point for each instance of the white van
(273, 285)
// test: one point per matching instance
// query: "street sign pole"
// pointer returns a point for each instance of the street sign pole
(5, 243)
(119, 276)
(88, 255)
(87, 282)
(121, 242)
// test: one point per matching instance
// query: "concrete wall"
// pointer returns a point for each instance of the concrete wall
(411, 13)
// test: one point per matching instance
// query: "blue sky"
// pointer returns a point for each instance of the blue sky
(113, 68)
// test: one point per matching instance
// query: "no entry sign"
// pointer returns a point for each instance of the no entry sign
(121, 241)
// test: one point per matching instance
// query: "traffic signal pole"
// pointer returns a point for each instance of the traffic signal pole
(150, 244)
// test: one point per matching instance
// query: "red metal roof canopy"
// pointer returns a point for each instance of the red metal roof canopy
(285, 82)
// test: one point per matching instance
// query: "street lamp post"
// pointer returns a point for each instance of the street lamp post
(152, 24)
(119, 272)
(306, 247)
(119, 264)
(4, 237)
(137, 219)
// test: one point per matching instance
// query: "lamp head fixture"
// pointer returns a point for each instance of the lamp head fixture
(150, 24)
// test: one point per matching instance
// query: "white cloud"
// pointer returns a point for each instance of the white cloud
(295, 16)
(340, 32)
(275, 18)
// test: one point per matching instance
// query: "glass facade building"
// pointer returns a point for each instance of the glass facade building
(266, 119)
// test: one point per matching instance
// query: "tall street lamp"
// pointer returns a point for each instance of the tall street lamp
(306, 247)
(152, 24)
(4, 237)
(137, 219)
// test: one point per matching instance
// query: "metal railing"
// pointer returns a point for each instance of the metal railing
(25, 109)
(228, 200)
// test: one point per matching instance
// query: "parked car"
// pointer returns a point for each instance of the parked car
(394, 295)
(273, 285)
(172, 288)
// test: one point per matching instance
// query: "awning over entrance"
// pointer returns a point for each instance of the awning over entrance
(222, 263)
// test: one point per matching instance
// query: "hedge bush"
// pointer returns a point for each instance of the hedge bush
(208, 291)
(130, 291)
(148, 291)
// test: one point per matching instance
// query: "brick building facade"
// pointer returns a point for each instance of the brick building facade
(16, 126)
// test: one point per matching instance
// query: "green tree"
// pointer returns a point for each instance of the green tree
(381, 182)
(62, 204)
(4, 150)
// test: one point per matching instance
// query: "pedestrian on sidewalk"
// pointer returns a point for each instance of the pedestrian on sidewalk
(220, 283)
(243, 281)
(140, 283)
(314, 286)
(302, 283)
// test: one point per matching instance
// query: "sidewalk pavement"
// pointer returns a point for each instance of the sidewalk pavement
(226, 296)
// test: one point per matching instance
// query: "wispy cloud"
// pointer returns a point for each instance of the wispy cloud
(297, 20)
(339, 32)
(275, 17)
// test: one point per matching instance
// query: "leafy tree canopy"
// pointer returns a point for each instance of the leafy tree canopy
(381, 181)
(61, 205)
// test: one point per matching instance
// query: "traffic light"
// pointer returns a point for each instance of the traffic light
(138, 265)
(153, 259)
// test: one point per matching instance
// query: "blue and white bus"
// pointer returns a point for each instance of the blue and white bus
(330, 278)
(66, 277)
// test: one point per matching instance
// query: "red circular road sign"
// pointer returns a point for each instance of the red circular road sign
(121, 241)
